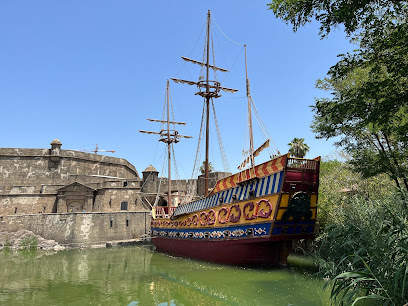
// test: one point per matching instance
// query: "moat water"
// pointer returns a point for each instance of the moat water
(139, 276)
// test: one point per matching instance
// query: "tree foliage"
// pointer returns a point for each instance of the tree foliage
(361, 222)
(364, 245)
(368, 107)
(340, 184)
(210, 167)
(353, 15)
(298, 148)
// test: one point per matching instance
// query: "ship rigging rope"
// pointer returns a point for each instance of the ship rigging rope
(230, 68)
(158, 190)
(172, 110)
(174, 128)
(213, 55)
(245, 153)
(176, 170)
(157, 142)
(224, 33)
(221, 50)
(220, 142)
(263, 128)
(201, 77)
(199, 36)
(192, 187)
(161, 127)
(172, 146)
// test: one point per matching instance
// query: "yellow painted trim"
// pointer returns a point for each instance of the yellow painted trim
(284, 201)
(261, 207)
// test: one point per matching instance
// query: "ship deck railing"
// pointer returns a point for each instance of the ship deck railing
(302, 164)
(164, 211)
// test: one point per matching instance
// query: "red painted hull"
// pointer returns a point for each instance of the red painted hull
(260, 251)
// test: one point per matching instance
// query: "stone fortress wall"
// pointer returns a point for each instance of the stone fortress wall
(35, 167)
(82, 229)
(42, 184)
(53, 180)
(71, 196)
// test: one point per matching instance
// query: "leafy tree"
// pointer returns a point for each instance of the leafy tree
(340, 185)
(367, 113)
(368, 108)
(298, 148)
(353, 15)
(210, 167)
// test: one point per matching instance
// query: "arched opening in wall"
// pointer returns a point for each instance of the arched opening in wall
(162, 201)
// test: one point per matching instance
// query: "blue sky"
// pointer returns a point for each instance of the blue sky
(91, 72)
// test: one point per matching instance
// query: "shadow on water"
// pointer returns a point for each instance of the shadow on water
(139, 276)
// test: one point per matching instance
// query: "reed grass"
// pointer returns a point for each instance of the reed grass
(363, 251)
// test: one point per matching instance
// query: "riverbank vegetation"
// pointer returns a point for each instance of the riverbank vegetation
(363, 236)
(362, 243)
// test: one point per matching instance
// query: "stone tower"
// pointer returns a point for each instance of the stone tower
(55, 154)
(150, 180)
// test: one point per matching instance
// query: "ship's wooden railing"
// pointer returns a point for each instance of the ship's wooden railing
(303, 164)
(164, 212)
(160, 212)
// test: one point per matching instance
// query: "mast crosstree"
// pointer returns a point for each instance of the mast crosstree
(207, 89)
(168, 137)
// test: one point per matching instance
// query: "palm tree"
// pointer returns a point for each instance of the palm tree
(298, 148)
(210, 167)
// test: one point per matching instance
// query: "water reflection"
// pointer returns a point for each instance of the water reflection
(138, 276)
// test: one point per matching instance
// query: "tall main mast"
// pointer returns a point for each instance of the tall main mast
(168, 141)
(208, 89)
(207, 101)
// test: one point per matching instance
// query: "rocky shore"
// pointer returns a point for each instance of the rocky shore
(24, 239)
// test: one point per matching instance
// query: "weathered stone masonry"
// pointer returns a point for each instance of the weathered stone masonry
(77, 229)
(52, 180)
(77, 197)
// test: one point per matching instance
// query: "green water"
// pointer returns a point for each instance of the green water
(139, 276)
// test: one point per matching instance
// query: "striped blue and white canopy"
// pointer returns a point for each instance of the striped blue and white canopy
(267, 185)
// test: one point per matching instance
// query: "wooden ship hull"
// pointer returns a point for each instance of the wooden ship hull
(249, 218)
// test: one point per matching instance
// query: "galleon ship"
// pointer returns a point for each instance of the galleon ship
(249, 218)
(252, 221)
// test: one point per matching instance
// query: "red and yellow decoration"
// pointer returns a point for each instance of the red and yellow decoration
(259, 171)
(245, 212)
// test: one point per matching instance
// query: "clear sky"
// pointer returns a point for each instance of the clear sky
(91, 72)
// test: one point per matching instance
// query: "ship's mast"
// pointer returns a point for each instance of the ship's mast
(168, 144)
(207, 101)
(251, 136)
(168, 136)
(208, 89)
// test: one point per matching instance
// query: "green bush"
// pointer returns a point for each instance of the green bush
(364, 251)
(339, 185)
